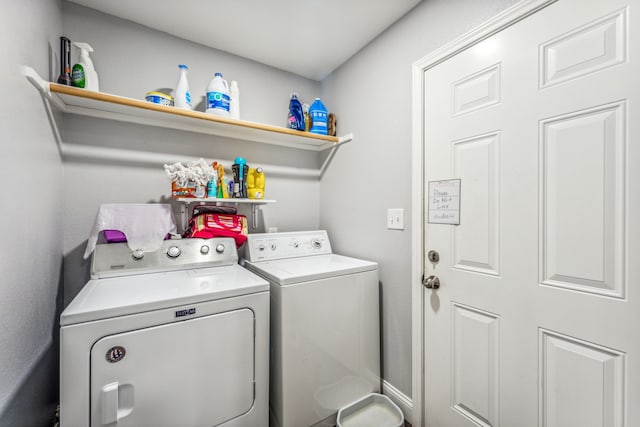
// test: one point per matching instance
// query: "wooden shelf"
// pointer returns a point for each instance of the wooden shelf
(74, 100)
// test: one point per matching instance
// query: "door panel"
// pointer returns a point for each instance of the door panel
(535, 320)
(580, 202)
(580, 384)
(476, 241)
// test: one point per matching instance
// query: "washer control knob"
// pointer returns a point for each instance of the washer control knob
(204, 250)
(261, 247)
(174, 252)
(138, 254)
(316, 243)
(296, 244)
(220, 248)
(274, 246)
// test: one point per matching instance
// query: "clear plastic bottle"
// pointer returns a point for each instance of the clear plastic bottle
(218, 96)
(183, 96)
(234, 107)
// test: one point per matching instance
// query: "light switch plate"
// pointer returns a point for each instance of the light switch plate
(395, 219)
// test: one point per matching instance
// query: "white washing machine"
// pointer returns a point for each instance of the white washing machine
(325, 333)
(175, 337)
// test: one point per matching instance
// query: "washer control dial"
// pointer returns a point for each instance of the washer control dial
(174, 252)
(220, 248)
(204, 249)
(316, 243)
(138, 254)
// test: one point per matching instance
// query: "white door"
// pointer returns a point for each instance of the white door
(537, 319)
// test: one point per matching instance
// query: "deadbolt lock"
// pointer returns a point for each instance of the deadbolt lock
(433, 256)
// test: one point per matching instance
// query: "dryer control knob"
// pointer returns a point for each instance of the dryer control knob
(220, 248)
(138, 254)
(174, 252)
(204, 250)
(316, 243)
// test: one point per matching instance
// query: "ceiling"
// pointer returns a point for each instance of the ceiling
(306, 37)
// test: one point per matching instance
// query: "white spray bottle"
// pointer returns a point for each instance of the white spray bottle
(182, 98)
(83, 74)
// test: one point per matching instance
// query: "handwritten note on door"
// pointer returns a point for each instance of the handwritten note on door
(444, 202)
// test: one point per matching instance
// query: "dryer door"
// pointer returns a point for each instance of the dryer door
(191, 373)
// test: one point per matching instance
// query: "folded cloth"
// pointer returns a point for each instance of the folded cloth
(145, 225)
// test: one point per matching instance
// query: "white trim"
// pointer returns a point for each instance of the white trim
(399, 398)
(501, 21)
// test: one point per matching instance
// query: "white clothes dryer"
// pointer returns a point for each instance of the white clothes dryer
(175, 337)
(325, 333)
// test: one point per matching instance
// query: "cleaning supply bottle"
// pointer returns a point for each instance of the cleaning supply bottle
(296, 115)
(65, 61)
(255, 183)
(234, 107)
(307, 118)
(223, 192)
(183, 96)
(240, 169)
(83, 74)
(218, 96)
(319, 117)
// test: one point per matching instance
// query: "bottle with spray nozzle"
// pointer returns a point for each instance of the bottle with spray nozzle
(183, 96)
(83, 74)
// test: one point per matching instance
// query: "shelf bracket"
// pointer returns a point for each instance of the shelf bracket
(254, 217)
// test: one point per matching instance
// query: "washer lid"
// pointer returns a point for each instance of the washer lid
(305, 269)
(119, 296)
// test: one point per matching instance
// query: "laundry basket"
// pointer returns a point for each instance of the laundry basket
(373, 410)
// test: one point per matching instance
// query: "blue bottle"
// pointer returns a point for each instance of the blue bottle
(319, 117)
(296, 114)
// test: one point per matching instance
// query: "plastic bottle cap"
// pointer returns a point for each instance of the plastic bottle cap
(218, 74)
(183, 66)
(240, 161)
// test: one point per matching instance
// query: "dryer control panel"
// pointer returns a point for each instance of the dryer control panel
(117, 259)
(272, 246)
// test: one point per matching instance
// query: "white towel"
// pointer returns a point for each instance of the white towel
(145, 225)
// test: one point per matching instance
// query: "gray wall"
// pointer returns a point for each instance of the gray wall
(31, 215)
(132, 59)
(371, 94)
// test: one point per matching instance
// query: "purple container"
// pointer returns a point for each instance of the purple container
(114, 236)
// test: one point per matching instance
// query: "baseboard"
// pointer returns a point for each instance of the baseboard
(403, 401)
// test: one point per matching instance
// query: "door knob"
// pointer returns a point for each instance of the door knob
(431, 282)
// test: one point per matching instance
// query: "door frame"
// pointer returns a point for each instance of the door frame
(506, 18)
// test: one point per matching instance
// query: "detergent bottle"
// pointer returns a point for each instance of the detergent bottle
(296, 115)
(319, 117)
(218, 96)
(255, 183)
(83, 74)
